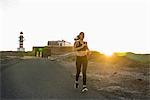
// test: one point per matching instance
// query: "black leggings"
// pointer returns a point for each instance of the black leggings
(81, 61)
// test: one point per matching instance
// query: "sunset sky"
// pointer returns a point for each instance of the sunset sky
(109, 25)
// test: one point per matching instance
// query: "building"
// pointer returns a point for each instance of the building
(41, 51)
(53, 48)
(59, 43)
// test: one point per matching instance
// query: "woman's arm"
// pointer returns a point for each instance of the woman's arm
(88, 51)
(78, 48)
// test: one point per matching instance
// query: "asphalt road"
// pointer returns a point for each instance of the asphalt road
(41, 79)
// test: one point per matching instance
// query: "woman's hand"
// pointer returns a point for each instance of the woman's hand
(83, 45)
(78, 48)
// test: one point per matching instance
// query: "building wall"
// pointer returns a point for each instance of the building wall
(48, 51)
(59, 43)
(61, 50)
(36, 51)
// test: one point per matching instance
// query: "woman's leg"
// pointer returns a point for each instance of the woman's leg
(84, 68)
(78, 68)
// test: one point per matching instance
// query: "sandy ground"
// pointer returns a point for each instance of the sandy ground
(126, 80)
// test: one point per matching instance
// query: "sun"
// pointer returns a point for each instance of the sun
(108, 53)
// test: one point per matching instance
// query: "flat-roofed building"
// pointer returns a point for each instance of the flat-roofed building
(59, 43)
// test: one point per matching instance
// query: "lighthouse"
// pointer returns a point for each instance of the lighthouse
(21, 39)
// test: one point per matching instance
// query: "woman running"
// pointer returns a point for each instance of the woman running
(82, 52)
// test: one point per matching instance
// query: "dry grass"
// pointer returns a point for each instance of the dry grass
(119, 76)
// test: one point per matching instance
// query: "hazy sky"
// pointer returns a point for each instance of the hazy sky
(109, 25)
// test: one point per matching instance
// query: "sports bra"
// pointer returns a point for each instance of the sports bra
(83, 49)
